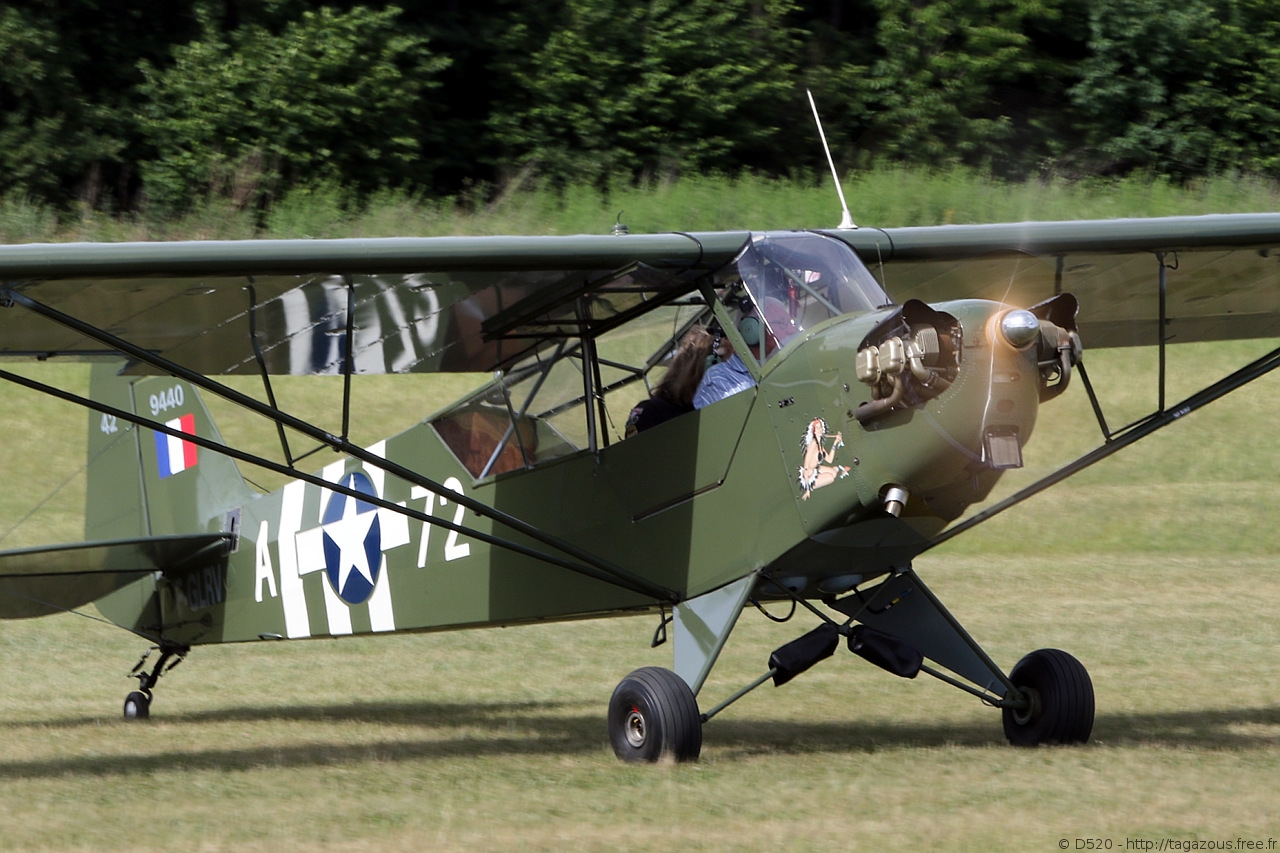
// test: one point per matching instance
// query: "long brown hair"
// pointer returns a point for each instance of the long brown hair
(685, 369)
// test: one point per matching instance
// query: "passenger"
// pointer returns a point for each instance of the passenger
(674, 393)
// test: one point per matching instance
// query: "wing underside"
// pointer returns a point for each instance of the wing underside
(56, 578)
(1221, 274)
(326, 307)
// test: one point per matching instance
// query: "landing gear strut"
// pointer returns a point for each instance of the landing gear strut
(137, 705)
(900, 624)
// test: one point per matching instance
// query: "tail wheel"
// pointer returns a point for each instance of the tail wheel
(654, 715)
(1060, 700)
(137, 706)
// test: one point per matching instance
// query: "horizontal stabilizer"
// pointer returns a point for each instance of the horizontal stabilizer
(55, 578)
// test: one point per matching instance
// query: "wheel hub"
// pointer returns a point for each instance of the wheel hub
(635, 728)
(1031, 710)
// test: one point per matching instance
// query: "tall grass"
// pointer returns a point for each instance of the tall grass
(890, 196)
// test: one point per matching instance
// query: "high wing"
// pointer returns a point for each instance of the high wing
(1222, 272)
(409, 305)
(474, 304)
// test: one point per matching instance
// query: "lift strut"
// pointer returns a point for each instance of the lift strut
(1121, 439)
(589, 564)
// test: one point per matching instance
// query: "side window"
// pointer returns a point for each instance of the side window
(519, 420)
(572, 396)
(634, 357)
(482, 438)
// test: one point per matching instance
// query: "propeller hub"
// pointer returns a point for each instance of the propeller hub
(1020, 328)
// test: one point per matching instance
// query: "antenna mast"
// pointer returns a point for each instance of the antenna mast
(846, 219)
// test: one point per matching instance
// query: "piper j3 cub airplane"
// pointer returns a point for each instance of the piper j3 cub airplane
(891, 377)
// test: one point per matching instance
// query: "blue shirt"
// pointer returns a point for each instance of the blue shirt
(722, 380)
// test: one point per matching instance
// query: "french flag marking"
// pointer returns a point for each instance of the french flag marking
(173, 455)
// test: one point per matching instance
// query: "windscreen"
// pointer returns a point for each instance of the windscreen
(797, 280)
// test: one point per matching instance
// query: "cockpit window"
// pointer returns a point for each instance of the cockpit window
(797, 280)
(603, 349)
(541, 409)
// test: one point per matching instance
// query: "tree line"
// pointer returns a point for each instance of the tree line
(125, 105)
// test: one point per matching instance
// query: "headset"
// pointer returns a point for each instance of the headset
(717, 338)
(749, 323)
(748, 326)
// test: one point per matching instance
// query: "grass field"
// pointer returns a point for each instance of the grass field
(494, 741)
(1159, 569)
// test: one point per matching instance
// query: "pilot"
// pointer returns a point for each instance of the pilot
(674, 393)
(730, 375)
(724, 378)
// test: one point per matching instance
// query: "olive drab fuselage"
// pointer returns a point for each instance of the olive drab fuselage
(692, 504)
(868, 426)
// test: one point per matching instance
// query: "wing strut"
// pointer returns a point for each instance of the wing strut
(348, 355)
(1122, 439)
(594, 565)
(266, 375)
(1162, 342)
(639, 585)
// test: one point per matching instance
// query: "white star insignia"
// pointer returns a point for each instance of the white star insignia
(349, 534)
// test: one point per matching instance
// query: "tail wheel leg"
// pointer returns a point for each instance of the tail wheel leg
(137, 705)
(654, 715)
(1059, 695)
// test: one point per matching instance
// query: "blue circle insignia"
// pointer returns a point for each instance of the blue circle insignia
(352, 541)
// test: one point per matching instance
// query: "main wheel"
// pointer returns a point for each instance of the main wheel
(653, 715)
(137, 706)
(1061, 700)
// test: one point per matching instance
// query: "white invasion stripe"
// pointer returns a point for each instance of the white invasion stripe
(296, 621)
(338, 611)
(381, 616)
(394, 529)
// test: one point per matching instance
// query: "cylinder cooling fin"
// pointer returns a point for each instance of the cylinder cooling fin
(910, 357)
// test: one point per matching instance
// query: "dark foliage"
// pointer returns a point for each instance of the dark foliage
(114, 105)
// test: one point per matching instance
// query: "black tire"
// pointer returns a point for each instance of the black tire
(137, 706)
(1061, 695)
(654, 715)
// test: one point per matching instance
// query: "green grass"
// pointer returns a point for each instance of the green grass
(1157, 568)
(495, 740)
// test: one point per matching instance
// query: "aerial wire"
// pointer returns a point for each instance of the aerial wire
(846, 218)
